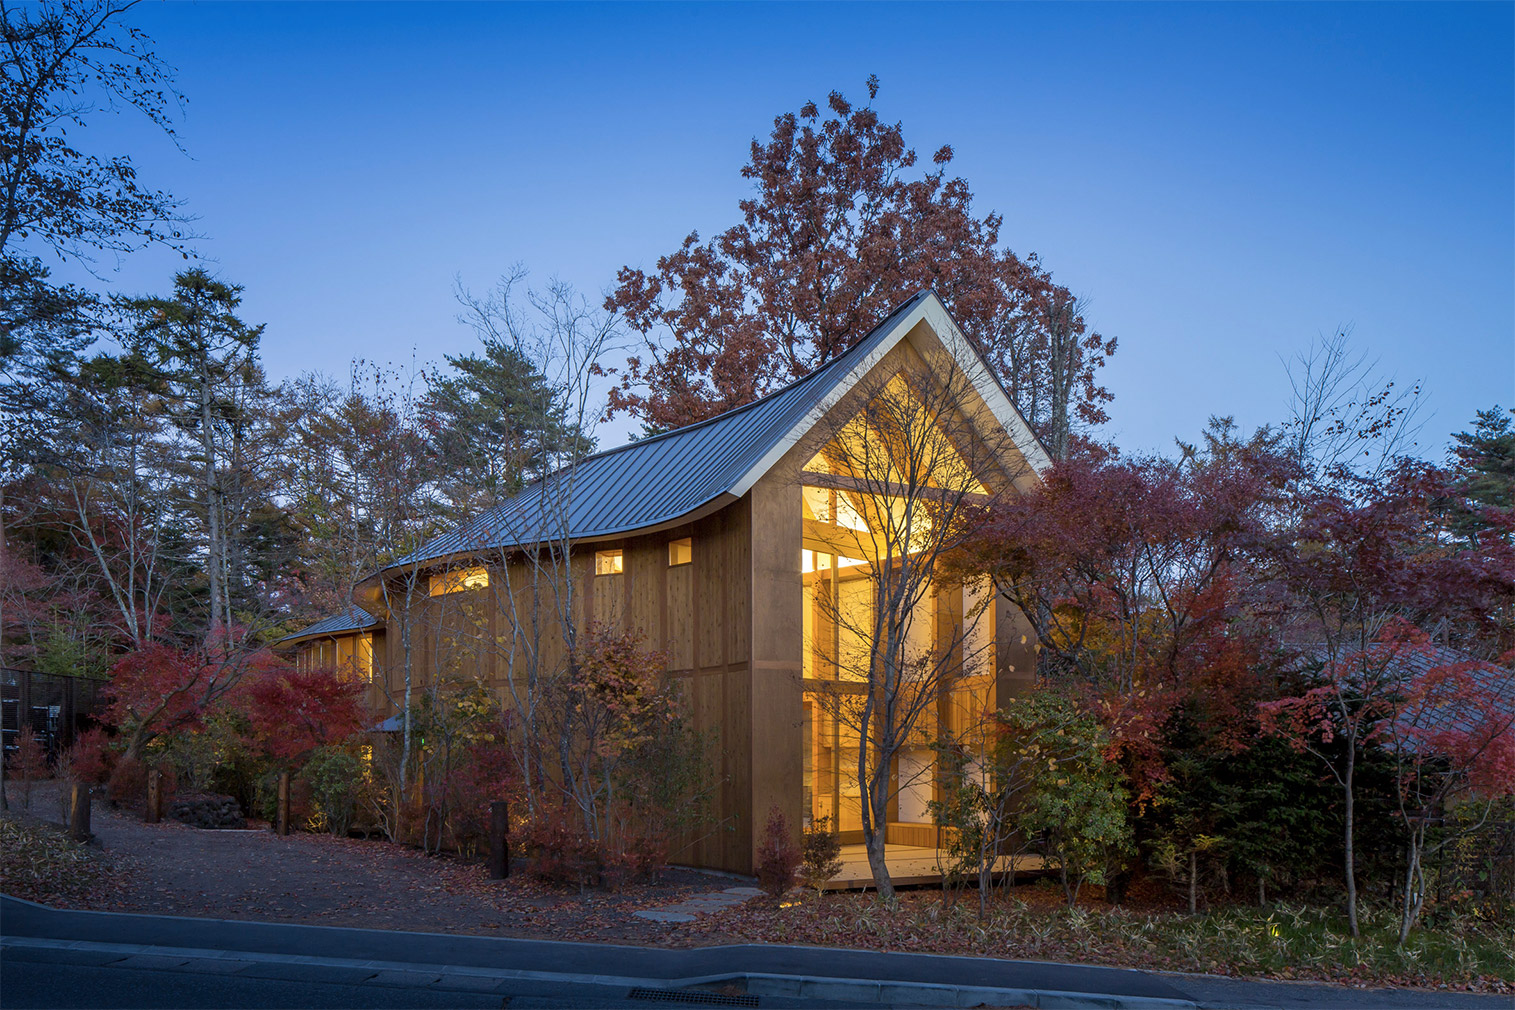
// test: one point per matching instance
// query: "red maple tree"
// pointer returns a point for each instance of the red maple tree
(291, 713)
(1133, 574)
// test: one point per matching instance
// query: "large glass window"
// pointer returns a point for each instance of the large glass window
(839, 629)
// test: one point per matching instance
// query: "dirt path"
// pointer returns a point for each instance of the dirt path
(172, 869)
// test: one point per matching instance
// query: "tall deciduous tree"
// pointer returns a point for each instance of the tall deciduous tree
(63, 63)
(895, 489)
(1133, 573)
(842, 227)
(104, 483)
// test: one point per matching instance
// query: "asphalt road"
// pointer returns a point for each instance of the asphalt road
(55, 978)
(40, 975)
(56, 958)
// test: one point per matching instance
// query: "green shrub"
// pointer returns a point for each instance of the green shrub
(335, 776)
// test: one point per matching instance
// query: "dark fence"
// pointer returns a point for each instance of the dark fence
(56, 708)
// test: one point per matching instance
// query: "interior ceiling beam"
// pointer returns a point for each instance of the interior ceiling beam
(858, 485)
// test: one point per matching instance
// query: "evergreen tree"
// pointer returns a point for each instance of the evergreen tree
(1483, 462)
(496, 422)
(209, 362)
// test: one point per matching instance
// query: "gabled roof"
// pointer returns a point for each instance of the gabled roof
(662, 479)
(353, 619)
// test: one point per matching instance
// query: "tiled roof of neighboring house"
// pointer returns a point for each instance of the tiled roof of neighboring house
(1495, 684)
(353, 619)
(665, 477)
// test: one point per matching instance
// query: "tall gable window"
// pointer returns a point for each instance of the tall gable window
(458, 580)
(608, 563)
(680, 552)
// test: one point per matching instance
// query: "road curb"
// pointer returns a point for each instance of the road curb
(938, 994)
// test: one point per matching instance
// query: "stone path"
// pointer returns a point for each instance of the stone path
(699, 904)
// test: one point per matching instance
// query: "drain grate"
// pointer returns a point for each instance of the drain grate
(691, 996)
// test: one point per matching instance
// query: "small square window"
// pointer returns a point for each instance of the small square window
(608, 563)
(680, 552)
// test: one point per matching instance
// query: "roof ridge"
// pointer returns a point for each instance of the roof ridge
(771, 394)
(714, 454)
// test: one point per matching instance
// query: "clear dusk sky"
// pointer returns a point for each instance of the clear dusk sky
(1223, 182)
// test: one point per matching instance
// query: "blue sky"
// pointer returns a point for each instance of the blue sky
(1223, 182)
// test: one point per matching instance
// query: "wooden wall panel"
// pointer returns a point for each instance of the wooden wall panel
(699, 613)
(609, 601)
(711, 574)
(776, 715)
(736, 534)
(645, 562)
(680, 641)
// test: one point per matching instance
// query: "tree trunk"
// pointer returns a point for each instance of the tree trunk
(874, 842)
(1415, 883)
(1193, 881)
(1350, 861)
(213, 560)
(873, 804)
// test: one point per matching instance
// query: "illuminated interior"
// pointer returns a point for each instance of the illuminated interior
(458, 580)
(680, 552)
(847, 532)
(348, 655)
(608, 562)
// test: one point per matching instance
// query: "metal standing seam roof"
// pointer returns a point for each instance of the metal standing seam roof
(657, 479)
(354, 619)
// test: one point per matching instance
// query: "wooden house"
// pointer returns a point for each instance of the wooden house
(723, 544)
(349, 644)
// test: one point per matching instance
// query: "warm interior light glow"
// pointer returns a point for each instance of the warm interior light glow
(458, 580)
(608, 562)
(680, 552)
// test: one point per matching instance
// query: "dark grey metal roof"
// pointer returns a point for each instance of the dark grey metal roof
(355, 619)
(658, 479)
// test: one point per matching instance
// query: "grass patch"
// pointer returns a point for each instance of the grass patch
(40, 863)
(1278, 942)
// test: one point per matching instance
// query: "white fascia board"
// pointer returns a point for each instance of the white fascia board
(840, 389)
(968, 361)
(972, 365)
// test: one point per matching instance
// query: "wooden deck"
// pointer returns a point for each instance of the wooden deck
(909, 865)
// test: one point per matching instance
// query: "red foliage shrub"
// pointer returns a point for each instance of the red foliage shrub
(486, 774)
(158, 688)
(29, 763)
(638, 854)
(127, 785)
(90, 759)
(561, 850)
(778, 857)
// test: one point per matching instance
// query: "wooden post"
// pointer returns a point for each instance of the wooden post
(78, 813)
(499, 847)
(281, 817)
(154, 796)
